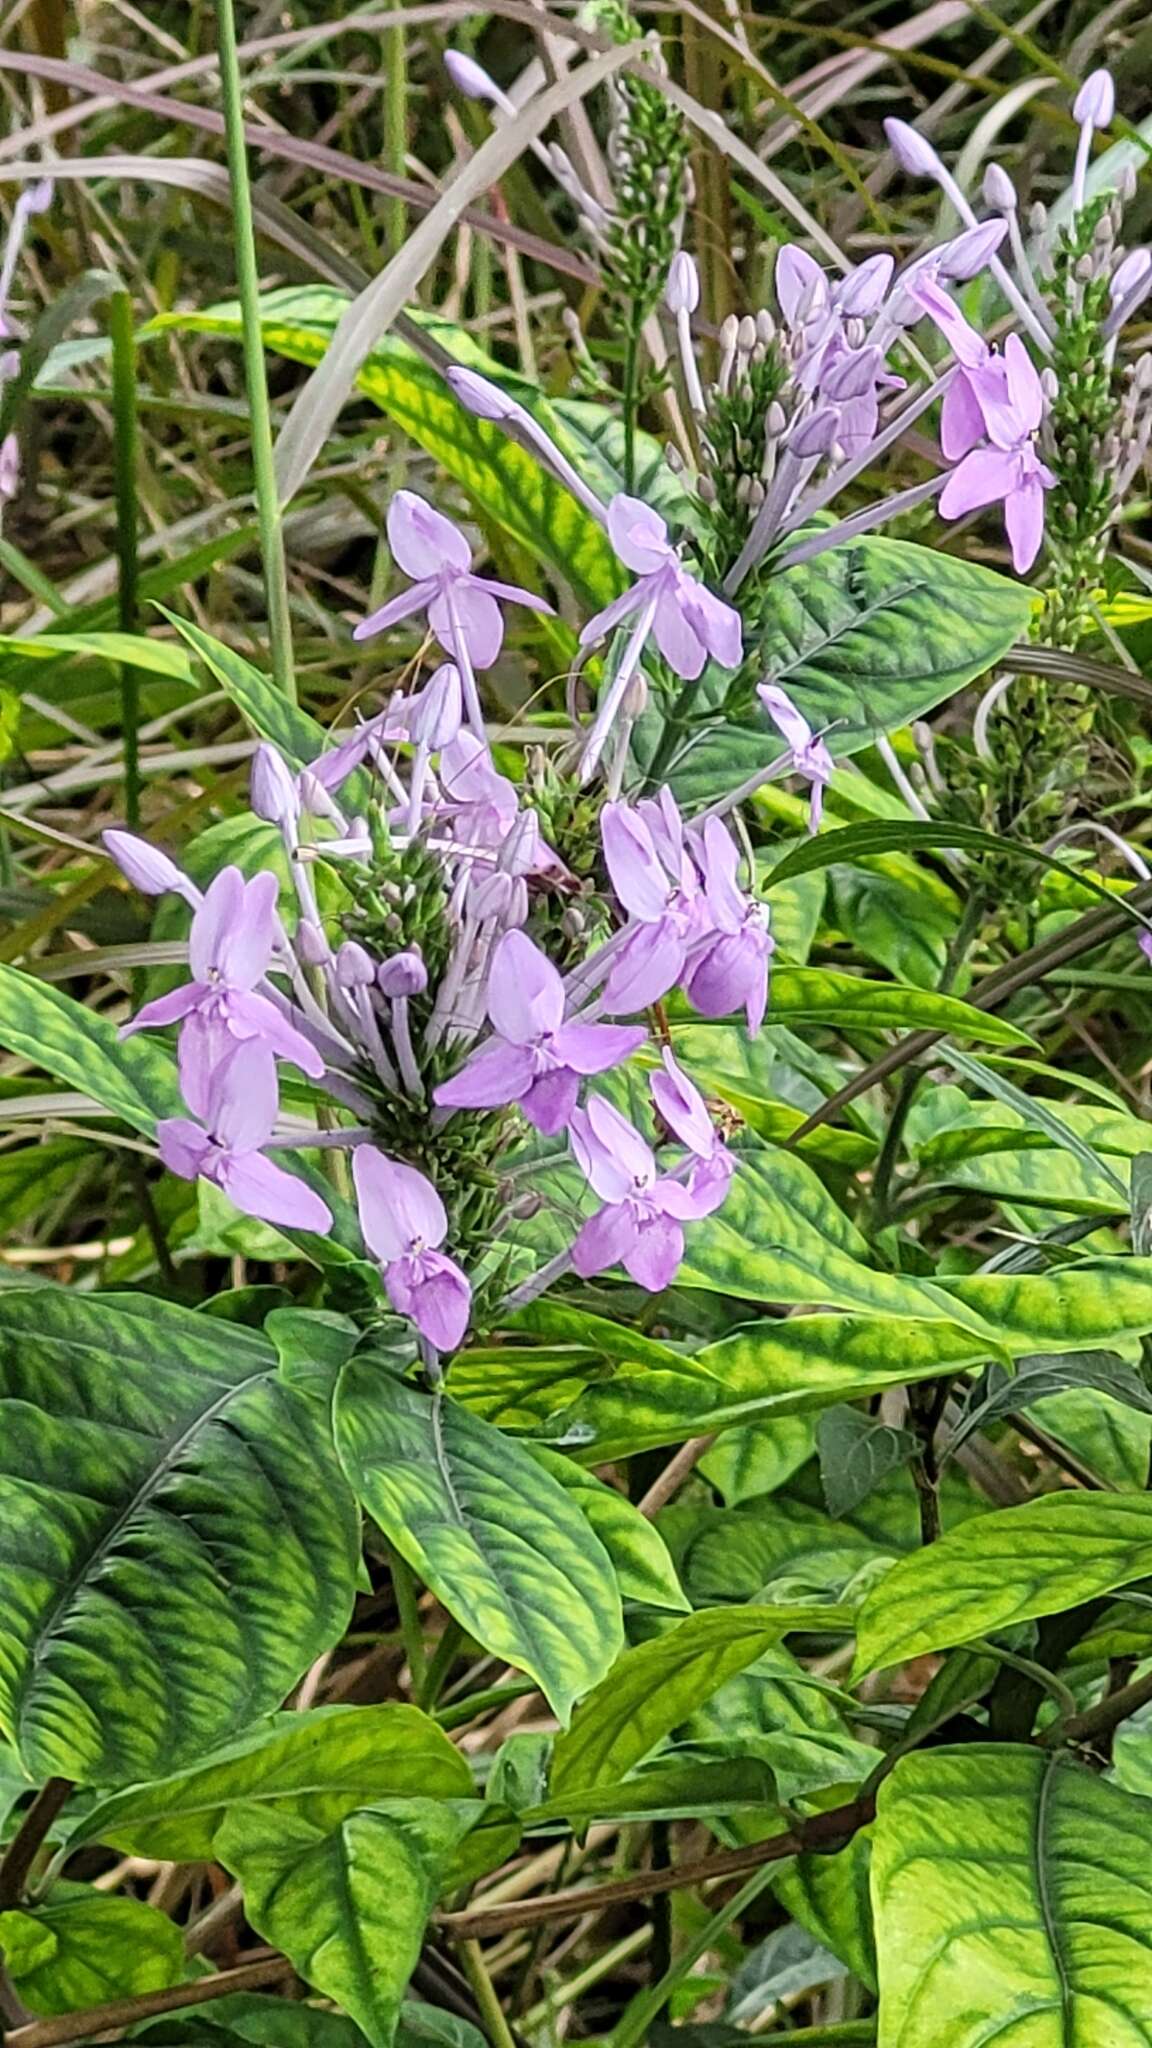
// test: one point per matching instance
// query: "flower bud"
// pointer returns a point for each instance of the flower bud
(9, 467)
(1095, 102)
(436, 715)
(403, 975)
(815, 435)
(354, 968)
(999, 191)
(479, 395)
(147, 868)
(469, 77)
(38, 197)
(966, 254)
(682, 291)
(274, 794)
(1129, 274)
(311, 945)
(914, 154)
(862, 292)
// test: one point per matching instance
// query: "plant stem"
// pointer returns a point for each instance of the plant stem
(122, 332)
(1106, 1715)
(495, 2025)
(628, 395)
(439, 1665)
(407, 1602)
(126, 2012)
(26, 1843)
(255, 377)
(394, 58)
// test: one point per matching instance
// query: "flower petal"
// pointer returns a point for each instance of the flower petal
(613, 615)
(258, 1017)
(434, 1292)
(219, 911)
(165, 1010)
(397, 1205)
(648, 964)
(984, 476)
(244, 947)
(605, 1239)
(595, 1048)
(1024, 520)
(653, 1260)
(682, 1107)
(243, 1097)
(497, 1074)
(183, 1146)
(801, 286)
(717, 624)
(423, 542)
(961, 419)
(549, 1102)
(261, 1189)
(525, 992)
(674, 629)
(463, 612)
(417, 599)
(639, 535)
(634, 869)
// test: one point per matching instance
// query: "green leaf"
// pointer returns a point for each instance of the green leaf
(639, 1553)
(177, 1544)
(1004, 1568)
(673, 1788)
(829, 1895)
(1013, 1896)
(1036, 1378)
(82, 1947)
(857, 1451)
(321, 1765)
(268, 711)
(804, 997)
(347, 1906)
(1035, 1113)
(135, 1081)
(654, 1687)
(500, 1542)
(134, 650)
(864, 638)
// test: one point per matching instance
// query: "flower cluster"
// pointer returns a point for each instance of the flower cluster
(33, 199)
(411, 982)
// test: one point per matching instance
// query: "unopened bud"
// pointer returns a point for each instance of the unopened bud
(354, 968)
(912, 152)
(471, 78)
(273, 791)
(682, 291)
(311, 945)
(403, 975)
(146, 867)
(1095, 102)
(478, 395)
(746, 334)
(999, 191)
(1130, 274)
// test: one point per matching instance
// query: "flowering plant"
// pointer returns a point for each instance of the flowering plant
(546, 1060)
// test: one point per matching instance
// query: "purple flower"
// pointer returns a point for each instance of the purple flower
(688, 622)
(404, 1225)
(729, 970)
(682, 1107)
(237, 1103)
(641, 1223)
(231, 944)
(809, 755)
(656, 882)
(535, 1059)
(1010, 470)
(462, 608)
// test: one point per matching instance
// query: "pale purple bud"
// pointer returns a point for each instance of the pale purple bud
(354, 968)
(480, 396)
(274, 794)
(815, 435)
(967, 253)
(1129, 274)
(999, 191)
(862, 292)
(147, 868)
(490, 898)
(311, 944)
(912, 152)
(316, 800)
(10, 360)
(1095, 102)
(38, 197)
(682, 291)
(403, 975)
(9, 466)
(469, 77)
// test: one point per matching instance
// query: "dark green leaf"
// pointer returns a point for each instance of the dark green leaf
(321, 1765)
(82, 1947)
(177, 1543)
(1036, 1378)
(1003, 1568)
(499, 1541)
(643, 1567)
(857, 1451)
(136, 1081)
(347, 1906)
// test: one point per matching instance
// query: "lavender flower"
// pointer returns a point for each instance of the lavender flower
(404, 1225)
(462, 609)
(237, 1101)
(641, 1223)
(1009, 470)
(808, 755)
(233, 937)
(148, 869)
(656, 882)
(729, 969)
(535, 1058)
